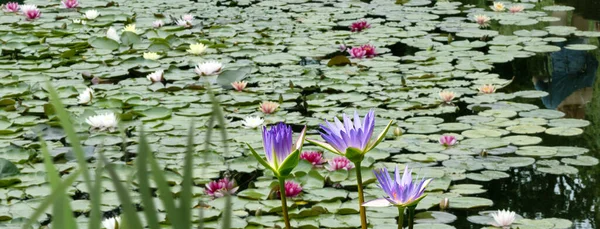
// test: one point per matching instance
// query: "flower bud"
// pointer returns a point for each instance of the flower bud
(444, 204)
(397, 131)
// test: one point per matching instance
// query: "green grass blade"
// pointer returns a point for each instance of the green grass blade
(226, 224)
(95, 197)
(165, 194)
(133, 221)
(185, 200)
(144, 183)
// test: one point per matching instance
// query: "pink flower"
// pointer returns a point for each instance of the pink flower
(292, 189)
(239, 85)
(11, 7)
(342, 47)
(447, 96)
(357, 52)
(314, 157)
(221, 187)
(188, 17)
(487, 89)
(268, 107)
(516, 9)
(447, 140)
(369, 50)
(338, 163)
(69, 4)
(359, 25)
(31, 12)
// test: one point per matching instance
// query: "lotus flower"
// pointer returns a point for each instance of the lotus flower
(401, 192)
(157, 76)
(516, 9)
(357, 52)
(281, 155)
(369, 50)
(209, 68)
(184, 23)
(487, 89)
(482, 20)
(69, 4)
(338, 163)
(106, 121)
(158, 24)
(503, 218)
(447, 140)
(187, 17)
(498, 7)
(351, 138)
(112, 223)
(359, 25)
(11, 7)
(314, 157)
(220, 188)
(239, 85)
(292, 189)
(112, 34)
(86, 96)
(252, 121)
(446, 96)
(197, 48)
(151, 56)
(91, 14)
(31, 12)
(131, 28)
(268, 107)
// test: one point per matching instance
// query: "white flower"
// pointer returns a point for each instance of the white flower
(184, 23)
(79, 21)
(112, 223)
(156, 76)
(86, 96)
(131, 28)
(253, 121)
(498, 7)
(151, 56)
(482, 20)
(188, 17)
(91, 14)
(25, 8)
(106, 121)
(209, 68)
(112, 34)
(158, 24)
(197, 48)
(503, 218)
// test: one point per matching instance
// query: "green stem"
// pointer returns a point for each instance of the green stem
(411, 216)
(286, 218)
(400, 217)
(361, 197)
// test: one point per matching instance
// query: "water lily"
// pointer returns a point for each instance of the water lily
(239, 85)
(482, 20)
(11, 7)
(292, 189)
(359, 25)
(338, 163)
(187, 17)
(252, 121)
(444, 203)
(503, 218)
(357, 52)
(220, 188)
(446, 96)
(79, 21)
(157, 76)
(131, 28)
(197, 48)
(401, 191)
(91, 14)
(209, 68)
(69, 4)
(158, 24)
(516, 9)
(31, 12)
(487, 89)
(86, 96)
(314, 157)
(151, 56)
(184, 23)
(342, 47)
(369, 50)
(268, 107)
(498, 7)
(106, 121)
(112, 222)
(281, 155)
(112, 34)
(447, 140)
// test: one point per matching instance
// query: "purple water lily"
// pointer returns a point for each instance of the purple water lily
(351, 133)
(402, 191)
(278, 143)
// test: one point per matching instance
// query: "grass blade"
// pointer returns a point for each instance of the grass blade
(165, 194)
(144, 183)
(95, 197)
(133, 221)
(185, 200)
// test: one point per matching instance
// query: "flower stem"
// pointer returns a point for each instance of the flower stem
(282, 195)
(361, 197)
(411, 216)
(400, 217)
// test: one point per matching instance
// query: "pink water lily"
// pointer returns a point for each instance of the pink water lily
(239, 85)
(11, 7)
(516, 9)
(220, 188)
(338, 163)
(268, 107)
(357, 52)
(369, 50)
(70, 4)
(446, 96)
(359, 25)
(314, 157)
(31, 12)
(292, 189)
(487, 89)
(448, 140)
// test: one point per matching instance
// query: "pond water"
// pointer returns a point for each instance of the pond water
(530, 146)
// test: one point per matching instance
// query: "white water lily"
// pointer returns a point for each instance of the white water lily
(106, 121)
(197, 48)
(158, 24)
(131, 28)
(86, 96)
(184, 23)
(79, 21)
(498, 7)
(503, 219)
(91, 14)
(482, 20)
(187, 17)
(156, 76)
(112, 34)
(151, 56)
(252, 121)
(112, 223)
(209, 68)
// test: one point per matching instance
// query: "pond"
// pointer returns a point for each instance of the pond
(525, 111)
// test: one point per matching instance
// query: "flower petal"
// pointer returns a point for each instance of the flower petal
(377, 203)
